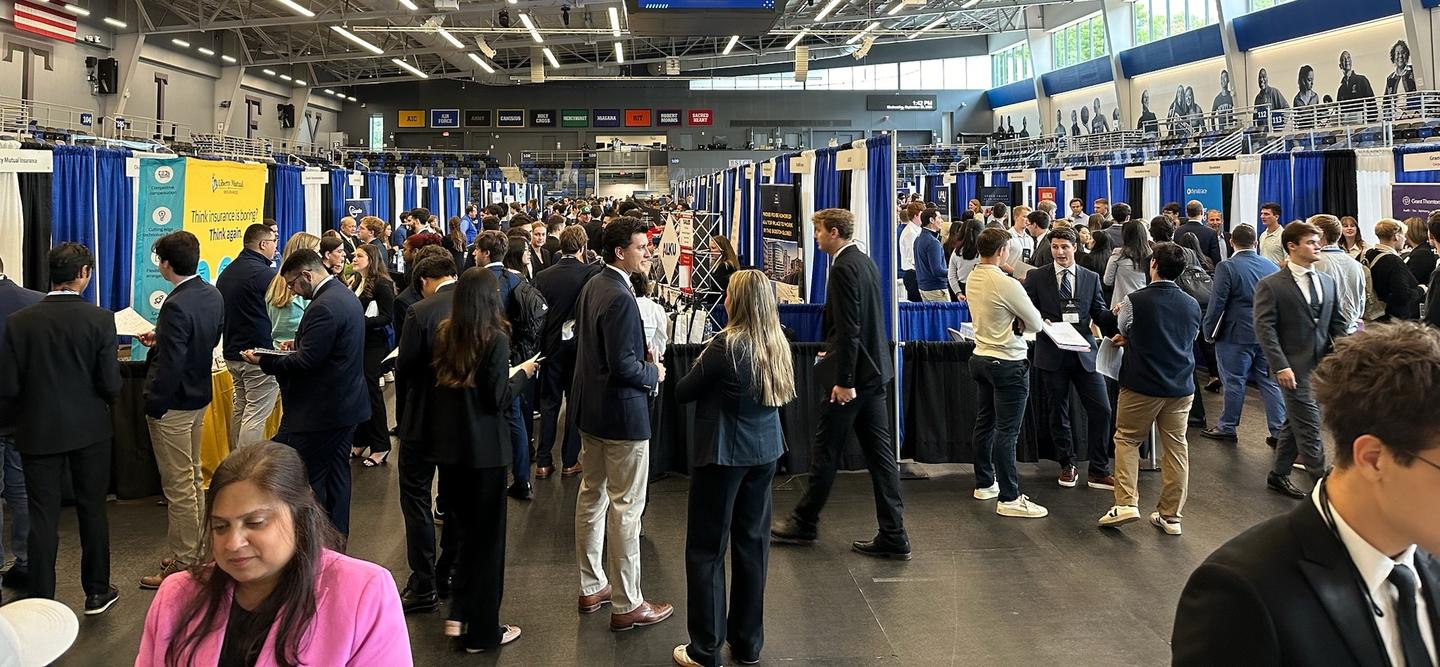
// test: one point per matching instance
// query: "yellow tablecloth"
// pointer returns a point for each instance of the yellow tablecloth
(215, 429)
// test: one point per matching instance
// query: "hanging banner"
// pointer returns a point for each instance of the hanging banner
(161, 204)
(991, 195)
(357, 208)
(1208, 190)
(1045, 193)
(942, 200)
(780, 231)
(221, 200)
(1415, 200)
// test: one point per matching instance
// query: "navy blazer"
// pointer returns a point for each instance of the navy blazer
(186, 333)
(322, 383)
(1209, 240)
(731, 427)
(1044, 291)
(13, 297)
(247, 321)
(1290, 337)
(857, 349)
(1230, 315)
(612, 381)
(560, 284)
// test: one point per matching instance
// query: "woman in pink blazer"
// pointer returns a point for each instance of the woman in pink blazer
(274, 595)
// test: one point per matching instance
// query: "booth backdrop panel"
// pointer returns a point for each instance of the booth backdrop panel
(1118, 186)
(410, 194)
(1275, 185)
(880, 193)
(1339, 196)
(72, 201)
(289, 201)
(35, 206)
(1097, 185)
(339, 192)
(436, 202)
(378, 188)
(827, 195)
(804, 320)
(1308, 184)
(115, 222)
(928, 321)
(1401, 176)
(1172, 183)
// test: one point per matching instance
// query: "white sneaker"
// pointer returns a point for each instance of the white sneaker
(988, 493)
(1119, 515)
(1170, 526)
(1021, 508)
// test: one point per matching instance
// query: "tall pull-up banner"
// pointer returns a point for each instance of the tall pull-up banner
(161, 202)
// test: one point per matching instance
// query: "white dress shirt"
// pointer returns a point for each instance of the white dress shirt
(907, 246)
(1299, 275)
(1060, 271)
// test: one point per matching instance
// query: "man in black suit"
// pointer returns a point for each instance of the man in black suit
(593, 221)
(435, 280)
(1297, 319)
(610, 392)
(323, 381)
(857, 365)
(348, 228)
(247, 326)
(177, 389)
(58, 377)
(1195, 224)
(1066, 292)
(561, 285)
(1349, 577)
(13, 298)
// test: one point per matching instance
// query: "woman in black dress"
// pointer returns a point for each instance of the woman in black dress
(370, 281)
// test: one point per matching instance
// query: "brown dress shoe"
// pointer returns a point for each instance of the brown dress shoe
(590, 604)
(571, 471)
(153, 581)
(544, 472)
(648, 613)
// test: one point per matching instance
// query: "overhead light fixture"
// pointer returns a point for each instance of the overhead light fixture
(268, 72)
(115, 22)
(857, 36)
(408, 5)
(899, 5)
(481, 62)
(359, 42)
(301, 82)
(614, 21)
(228, 59)
(285, 77)
(297, 8)
(78, 11)
(969, 3)
(450, 38)
(734, 39)
(350, 99)
(530, 25)
(550, 56)
(181, 43)
(329, 91)
(797, 38)
(208, 52)
(409, 68)
(339, 95)
(620, 53)
(825, 11)
(934, 24)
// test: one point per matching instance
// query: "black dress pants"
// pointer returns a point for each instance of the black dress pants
(90, 475)
(727, 503)
(475, 497)
(374, 433)
(1090, 387)
(555, 376)
(327, 463)
(868, 418)
(417, 474)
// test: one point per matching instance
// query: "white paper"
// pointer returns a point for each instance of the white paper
(373, 309)
(130, 323)
(1107, 360)
(1066, 337)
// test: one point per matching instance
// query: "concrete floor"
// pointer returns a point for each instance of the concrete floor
(980, 590)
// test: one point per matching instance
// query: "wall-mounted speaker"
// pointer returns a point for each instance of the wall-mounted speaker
(107, 76)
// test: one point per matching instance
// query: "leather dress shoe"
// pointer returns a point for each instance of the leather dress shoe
(101, 602)
(544, 472)
(648, 613)
(1271, 442)
(1284, 486)
(571, 471)
(18, 576)
(520, 490)
(791, 531)
(1214, 433)
(589, 604)
(412, 601)
(879, 549)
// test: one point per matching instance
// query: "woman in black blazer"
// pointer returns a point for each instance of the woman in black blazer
(371, 281)
(740, 381)
(467, 426)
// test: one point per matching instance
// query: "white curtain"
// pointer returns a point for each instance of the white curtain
(314, 201)
(12, 222)
(807, 220)
(1062, 207)
(860, 201)
(1150, 203)
(398, 197)
(1374, 173)
(1245, 195)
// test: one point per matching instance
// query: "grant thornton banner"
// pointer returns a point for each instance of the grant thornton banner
(1414, 200)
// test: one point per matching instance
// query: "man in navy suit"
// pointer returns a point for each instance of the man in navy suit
(177, 389)
(1065, 292)
(1229, 323)
(322, 381)
(12, 478)
(1195, 224)
(561, 285)
(247, 326)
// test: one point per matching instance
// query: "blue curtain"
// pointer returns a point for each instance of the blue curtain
(827, 195)
(803, 320)
(1308, 184)
(289, 201)
(339, 192)
(1402, 176)
(1097, 183)
(115, 215)
(454, 197)
(436, 205)
(1275, 183)
(748, 255)
(379, 187)
(72, 201)
(999, 178)
(1118, 191)
(1049, 178)
(1172, 181)
(965, 189)
(880, 177)
(409, 194)
(928, 321)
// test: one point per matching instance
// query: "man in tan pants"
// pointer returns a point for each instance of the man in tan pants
(1158, 325)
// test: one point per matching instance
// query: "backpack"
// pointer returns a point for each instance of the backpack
(1197, 283)
(526, 311)
(1374, 304)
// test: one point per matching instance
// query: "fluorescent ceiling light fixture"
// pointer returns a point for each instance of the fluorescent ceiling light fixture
(614, 21)
(899, 5)
(797, 38)
(329, 91)
(301, 82)
(228, 59)
(268, 72)
(409, 68)
(825, 11)
(359, 42)
(115, 22)
(408, 5)
(734, 39)
(450, 38)
(78, 11)
(481, 62)
(530, 25)
(620, 53)
(969, 3)
(856, 37)
(550, 56)
(297, 8)
(180, 42)
(934, 24)
(205, 51)
(285, 77)
(351, 99)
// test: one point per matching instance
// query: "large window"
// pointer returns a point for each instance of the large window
(1256, 5)
(1080, 40)
(1010, 64)
(970, 73)
(1158, 19)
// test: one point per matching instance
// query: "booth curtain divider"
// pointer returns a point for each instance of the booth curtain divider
(1402, 176)
(1338, 195)
(1118, 186)
(115, 237)
(35, 206)
(1172, 183)
(1097, 184)
(72, 200)
(1308, 184)
(804, 320)
(1374, 173)
(999, 178)
(410, 193)
(12, 219)
(1244, 199)
(1275, 184)
(827, 195)
(339, 192)
(437, 203)
(965, 189)
(289, 201)
(928, 321)
(379, 188)
(880, 193)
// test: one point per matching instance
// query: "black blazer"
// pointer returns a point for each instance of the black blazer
(12, 298)
(377, 340)
(59, 375)
(1284, 593)
(1044, 292)
(857, 350)
(612, 379)
(1209, 240)
(540, 259)
(186, 333)
(731, 427)
(413, 374)
(470, 427)
(404, 302)
(561, 285)
(1287, 334)
(323, 382)
(1421, 262)
(243, 284)
(1394, 284)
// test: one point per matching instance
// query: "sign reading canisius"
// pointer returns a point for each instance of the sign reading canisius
(509, 118)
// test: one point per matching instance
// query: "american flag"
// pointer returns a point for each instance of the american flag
(44, 18)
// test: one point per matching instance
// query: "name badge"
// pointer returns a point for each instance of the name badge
(1070, 312)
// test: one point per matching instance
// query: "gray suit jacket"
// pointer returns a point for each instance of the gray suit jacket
(1290, 337)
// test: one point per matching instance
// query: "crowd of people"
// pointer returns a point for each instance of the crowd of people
(510, 312)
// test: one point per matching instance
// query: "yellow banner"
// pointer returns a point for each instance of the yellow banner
(221, 200)
(411, 118)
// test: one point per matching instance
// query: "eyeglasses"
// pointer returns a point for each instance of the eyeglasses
(1428, 462)
(290, 284)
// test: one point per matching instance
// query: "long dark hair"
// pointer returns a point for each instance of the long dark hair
(515, 256)
(969, 239)
(1191, 241)
(278, 471)
(463, 340)
(454, 235)
(375, 271)
(1135, 243)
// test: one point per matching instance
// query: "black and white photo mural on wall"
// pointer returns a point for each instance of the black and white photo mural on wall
(1016, 121)
(1086, 111)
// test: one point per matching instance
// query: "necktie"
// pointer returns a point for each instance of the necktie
(1066, 292)
(1314, 296)
(1412, 643)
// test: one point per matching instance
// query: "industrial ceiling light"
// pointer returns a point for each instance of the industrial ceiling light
(329, 91)
(620, 53)
(969, 3)
(228, 59)
(614, 21)
(550, 56)
(357, 40)
(857, 36)
(408, 5)
(797, 38)
(115, 23)
(180, 43)
(825, 11)
(78, 11)
(286, 77)
(899, 5)
(409, 68)
(297, 8)
(530, 25)
(205, 51)
(301, 82)
(734, 39)
(268, 72)
(450, 38)
(350, 99)
(481, 62)
(935, 24)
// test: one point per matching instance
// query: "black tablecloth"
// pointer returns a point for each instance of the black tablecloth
(133, 472)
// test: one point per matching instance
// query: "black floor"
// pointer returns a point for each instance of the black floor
(981, 589)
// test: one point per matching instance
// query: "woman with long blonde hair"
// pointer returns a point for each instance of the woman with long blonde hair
(286, 307)
(740, 381)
